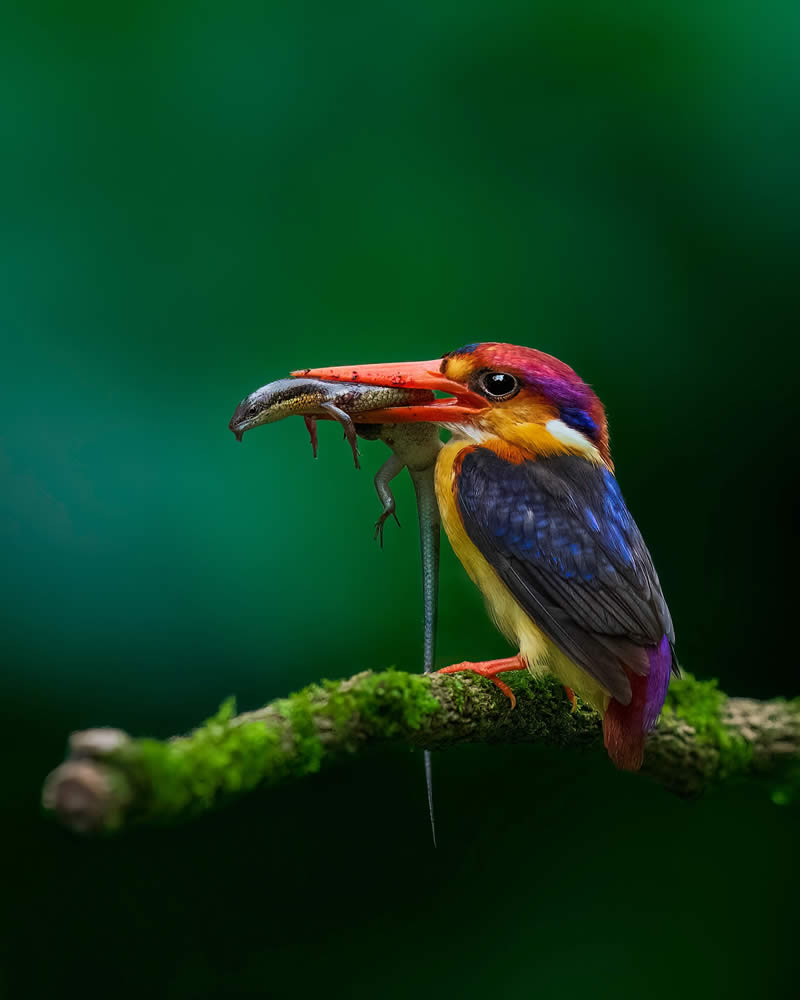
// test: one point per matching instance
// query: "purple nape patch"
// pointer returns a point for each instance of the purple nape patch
(660, 658)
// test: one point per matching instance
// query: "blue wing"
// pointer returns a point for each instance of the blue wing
(559, 535)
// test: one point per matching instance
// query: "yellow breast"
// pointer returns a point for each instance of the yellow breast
(504, 610)
(538, 652)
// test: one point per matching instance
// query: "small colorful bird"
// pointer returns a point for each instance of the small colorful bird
(529, 501)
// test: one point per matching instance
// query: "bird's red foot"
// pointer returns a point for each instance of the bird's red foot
(573, 699)
(490, 668)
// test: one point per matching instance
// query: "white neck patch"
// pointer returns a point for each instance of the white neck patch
(569, 436)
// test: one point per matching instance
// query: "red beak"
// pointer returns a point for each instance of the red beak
(408, 375)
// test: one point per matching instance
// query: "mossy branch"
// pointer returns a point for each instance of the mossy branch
(111, 780)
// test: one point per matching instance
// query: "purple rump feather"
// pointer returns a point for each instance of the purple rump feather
(660, 658)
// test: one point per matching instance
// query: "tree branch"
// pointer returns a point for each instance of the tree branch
(111, 780)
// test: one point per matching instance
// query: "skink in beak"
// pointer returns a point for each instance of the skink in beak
(461, 403)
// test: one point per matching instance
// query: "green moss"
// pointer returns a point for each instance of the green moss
(224, 714)
(220, 758)
(308, 750)
(697, 702)
(193, 773)
(391, 703)
(550, 713)
(458, 692)
(700, 703)
(526, 685)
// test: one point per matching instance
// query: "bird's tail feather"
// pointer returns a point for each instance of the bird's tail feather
(625, 727)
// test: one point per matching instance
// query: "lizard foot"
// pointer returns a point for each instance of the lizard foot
(311, 427)
(378, 536)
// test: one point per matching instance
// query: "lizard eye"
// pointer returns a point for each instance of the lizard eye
(499, 385)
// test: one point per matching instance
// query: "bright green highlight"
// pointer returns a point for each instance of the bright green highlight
(699, 703)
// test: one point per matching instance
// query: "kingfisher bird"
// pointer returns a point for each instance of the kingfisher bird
(529, 501)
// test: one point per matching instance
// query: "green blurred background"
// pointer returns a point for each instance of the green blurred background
(198, 198)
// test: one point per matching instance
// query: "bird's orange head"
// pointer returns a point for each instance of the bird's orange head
(518, 400)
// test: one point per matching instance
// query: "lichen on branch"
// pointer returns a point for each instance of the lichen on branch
(111, 780)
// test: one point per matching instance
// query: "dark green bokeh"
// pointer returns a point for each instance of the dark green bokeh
(198, 199)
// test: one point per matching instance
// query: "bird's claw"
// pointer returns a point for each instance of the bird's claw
(572, 698)
(489, 669)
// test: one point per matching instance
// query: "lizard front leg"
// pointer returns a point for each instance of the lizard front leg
(347, 424)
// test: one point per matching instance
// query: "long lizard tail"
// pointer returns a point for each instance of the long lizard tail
(429, 537)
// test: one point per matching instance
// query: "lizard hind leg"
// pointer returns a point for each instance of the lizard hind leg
(347, 425)
(390, 468)
(311, 427)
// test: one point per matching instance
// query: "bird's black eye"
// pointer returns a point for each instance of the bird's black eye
(499, 385)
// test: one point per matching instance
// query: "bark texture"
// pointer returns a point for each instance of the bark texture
(111, 780)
